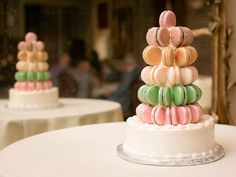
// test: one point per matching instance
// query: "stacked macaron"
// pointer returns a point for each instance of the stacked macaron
(32, 67)
(169, 95)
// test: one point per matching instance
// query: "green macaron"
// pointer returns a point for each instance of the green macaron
(21, 76)
(179, 95)
(46, 75)
(164, 96)
(141, 92)
(31, 76)
(152, 95)
(198, 92)
(192, 93)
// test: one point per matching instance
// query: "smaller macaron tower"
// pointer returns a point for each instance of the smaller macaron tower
(32, 66)
(169, 95)
(169, 128)
(33, 87)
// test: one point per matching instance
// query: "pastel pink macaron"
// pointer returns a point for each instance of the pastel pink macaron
(40, 45)
(196, 111)
(39, 86)
(30, 37)
(158, 36)
(144, 113)
(172, 115)
(47, 84)
(22, 45)
(184, 115)
(158, 115)
(167, 19)
(180, 36)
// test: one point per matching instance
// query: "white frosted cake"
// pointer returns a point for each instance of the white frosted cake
(169, 128)
(33, 88)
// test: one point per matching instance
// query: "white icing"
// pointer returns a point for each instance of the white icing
(33, 99)
(181, 140)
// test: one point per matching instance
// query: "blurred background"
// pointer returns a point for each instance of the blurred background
(95, 46)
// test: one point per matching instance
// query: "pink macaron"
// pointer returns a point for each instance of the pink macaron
(174, 118)
(39, 86)
(40, 45)
(23, 86)
(196, 111)
(22, 45)
(180, 36)
(31, 86)
(167, 19)
(144, 113)
(158, 115)
(47, 84)
(158, 36)
(172, 115)
(168, 116)
(30, 37)
(183, 114)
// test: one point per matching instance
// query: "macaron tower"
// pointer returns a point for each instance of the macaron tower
(33, 88)
(169, 127)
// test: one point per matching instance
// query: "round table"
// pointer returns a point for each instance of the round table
(91, 151)
(18, 124)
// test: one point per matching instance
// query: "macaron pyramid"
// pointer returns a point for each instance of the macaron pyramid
(169, 95)
(32, 68)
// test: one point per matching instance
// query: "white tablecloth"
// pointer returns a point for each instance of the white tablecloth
(18, 124)
(90, 151)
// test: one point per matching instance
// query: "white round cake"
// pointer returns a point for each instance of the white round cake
(34, 99)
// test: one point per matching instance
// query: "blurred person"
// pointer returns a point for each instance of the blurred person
(67, 85)
(63, 76)
(84, 76)
(95, 62)
(124, 94)
(109, 73)
(63, 65)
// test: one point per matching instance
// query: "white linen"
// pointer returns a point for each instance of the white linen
(18, 124)
(89, 151)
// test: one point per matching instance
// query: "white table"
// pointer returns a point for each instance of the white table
(18, 124)
(90, 151)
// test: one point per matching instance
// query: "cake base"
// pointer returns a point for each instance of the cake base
(33, 99)
(168, 160)
(170, 145)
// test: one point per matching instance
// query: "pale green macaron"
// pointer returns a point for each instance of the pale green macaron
(152, 95)
(194, 93)
(180, 95)
(164, 96)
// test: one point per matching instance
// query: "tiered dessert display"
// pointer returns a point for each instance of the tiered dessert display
(33, 88)
(169, 127)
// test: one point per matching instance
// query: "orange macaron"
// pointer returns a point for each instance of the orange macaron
(154, 55)
(185, 56)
